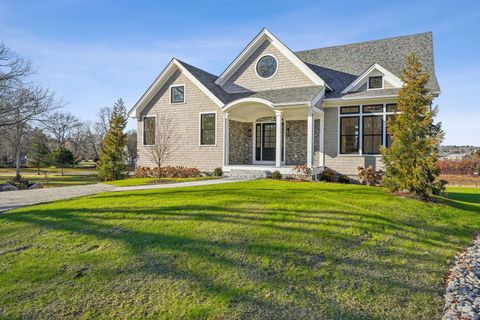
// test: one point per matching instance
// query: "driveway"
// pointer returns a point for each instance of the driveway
(15, 199)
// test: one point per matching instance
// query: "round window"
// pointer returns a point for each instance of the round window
(266, 67)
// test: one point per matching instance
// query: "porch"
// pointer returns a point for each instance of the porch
(262, 137)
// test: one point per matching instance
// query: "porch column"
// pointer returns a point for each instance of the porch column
(226, 138)
(310, 124)
(322, 139)
(278, 139)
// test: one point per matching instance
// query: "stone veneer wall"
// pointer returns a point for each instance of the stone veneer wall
(296, 143)
(240, 151)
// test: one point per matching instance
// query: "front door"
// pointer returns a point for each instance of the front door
(265, 142)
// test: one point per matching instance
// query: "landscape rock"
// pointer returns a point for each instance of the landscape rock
(462, 297)
(8, 187)
(36, 186)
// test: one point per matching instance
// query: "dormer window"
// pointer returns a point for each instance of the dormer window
(375, 82)
(177, 94)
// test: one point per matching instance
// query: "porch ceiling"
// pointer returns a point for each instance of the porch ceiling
(249, 112)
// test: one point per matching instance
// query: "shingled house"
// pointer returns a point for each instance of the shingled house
(272, 108)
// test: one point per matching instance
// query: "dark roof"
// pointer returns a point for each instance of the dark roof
(208, 80)
(340, 65)
(287, 95)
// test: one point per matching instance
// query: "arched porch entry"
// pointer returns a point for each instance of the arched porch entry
(258, 135)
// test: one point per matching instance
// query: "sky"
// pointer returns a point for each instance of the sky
(93, 52)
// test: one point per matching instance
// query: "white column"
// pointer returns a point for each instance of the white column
(321, 147)
(226, 139)
(278, 139)
(310, 123)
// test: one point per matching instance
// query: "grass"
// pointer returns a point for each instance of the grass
(71, 177)
(260, 249)
(143, 181)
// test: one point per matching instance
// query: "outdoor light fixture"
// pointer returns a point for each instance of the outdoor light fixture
(288, 132)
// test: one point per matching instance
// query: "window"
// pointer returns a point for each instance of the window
(349, 134)
(207, 129)
(372, 134)
(177, 94)
(266, 66)
(373, 108)
(149, 131)
(392, 107)
(349, 110)
(390, 118)
(375, 82)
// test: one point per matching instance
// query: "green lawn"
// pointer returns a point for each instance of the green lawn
(143, 181)
(249, 250)
(71, 177)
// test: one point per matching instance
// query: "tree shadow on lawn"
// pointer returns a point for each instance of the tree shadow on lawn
(336, 262)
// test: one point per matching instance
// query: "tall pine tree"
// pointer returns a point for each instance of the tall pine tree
(112, 164)
(38, 153)
(411, 161)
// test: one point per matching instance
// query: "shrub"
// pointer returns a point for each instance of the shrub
(218, 172)
(343, 179)
(369, 176)
(20, 183)
(302, 172)
(465, 166)
(276, 175)
(167, 172)
(328, 175)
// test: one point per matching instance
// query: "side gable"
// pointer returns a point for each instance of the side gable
(174, 66)
(240, 75)
(360, 84)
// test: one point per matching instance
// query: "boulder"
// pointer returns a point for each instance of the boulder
(36, 186)
(8, 187)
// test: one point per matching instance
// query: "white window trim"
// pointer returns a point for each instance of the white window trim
(200, 129)
(360, 115)
(258, 60)
(143, 130)
(184, 93)
(368, 83)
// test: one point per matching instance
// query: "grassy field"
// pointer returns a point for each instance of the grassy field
(72, 176)
(249, 250)
(143, 181)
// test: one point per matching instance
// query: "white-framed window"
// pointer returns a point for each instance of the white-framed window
(149, 130)
(362, 129)
(375, 82)
(208, 128)
(177, 93)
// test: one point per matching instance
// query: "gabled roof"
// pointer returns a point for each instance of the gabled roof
(341, 65)
(200, 78)
(390, 77)
(254, 44)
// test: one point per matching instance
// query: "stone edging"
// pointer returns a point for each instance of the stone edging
(462, 297)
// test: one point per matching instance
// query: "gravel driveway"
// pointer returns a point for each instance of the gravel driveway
(14, 199)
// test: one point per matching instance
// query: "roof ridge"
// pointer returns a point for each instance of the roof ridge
(368, 41)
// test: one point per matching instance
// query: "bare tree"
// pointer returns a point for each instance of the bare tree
(165, 142)
(62, 126)
(32, 101)
(13, 72)
(103, 122)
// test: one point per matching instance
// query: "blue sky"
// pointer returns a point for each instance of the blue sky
(93, 52)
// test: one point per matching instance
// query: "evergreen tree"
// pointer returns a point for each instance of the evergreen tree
(38, 152)
(411, 160)
(62, 157)
(112, 164)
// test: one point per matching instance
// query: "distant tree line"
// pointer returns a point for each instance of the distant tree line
(34, 129)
